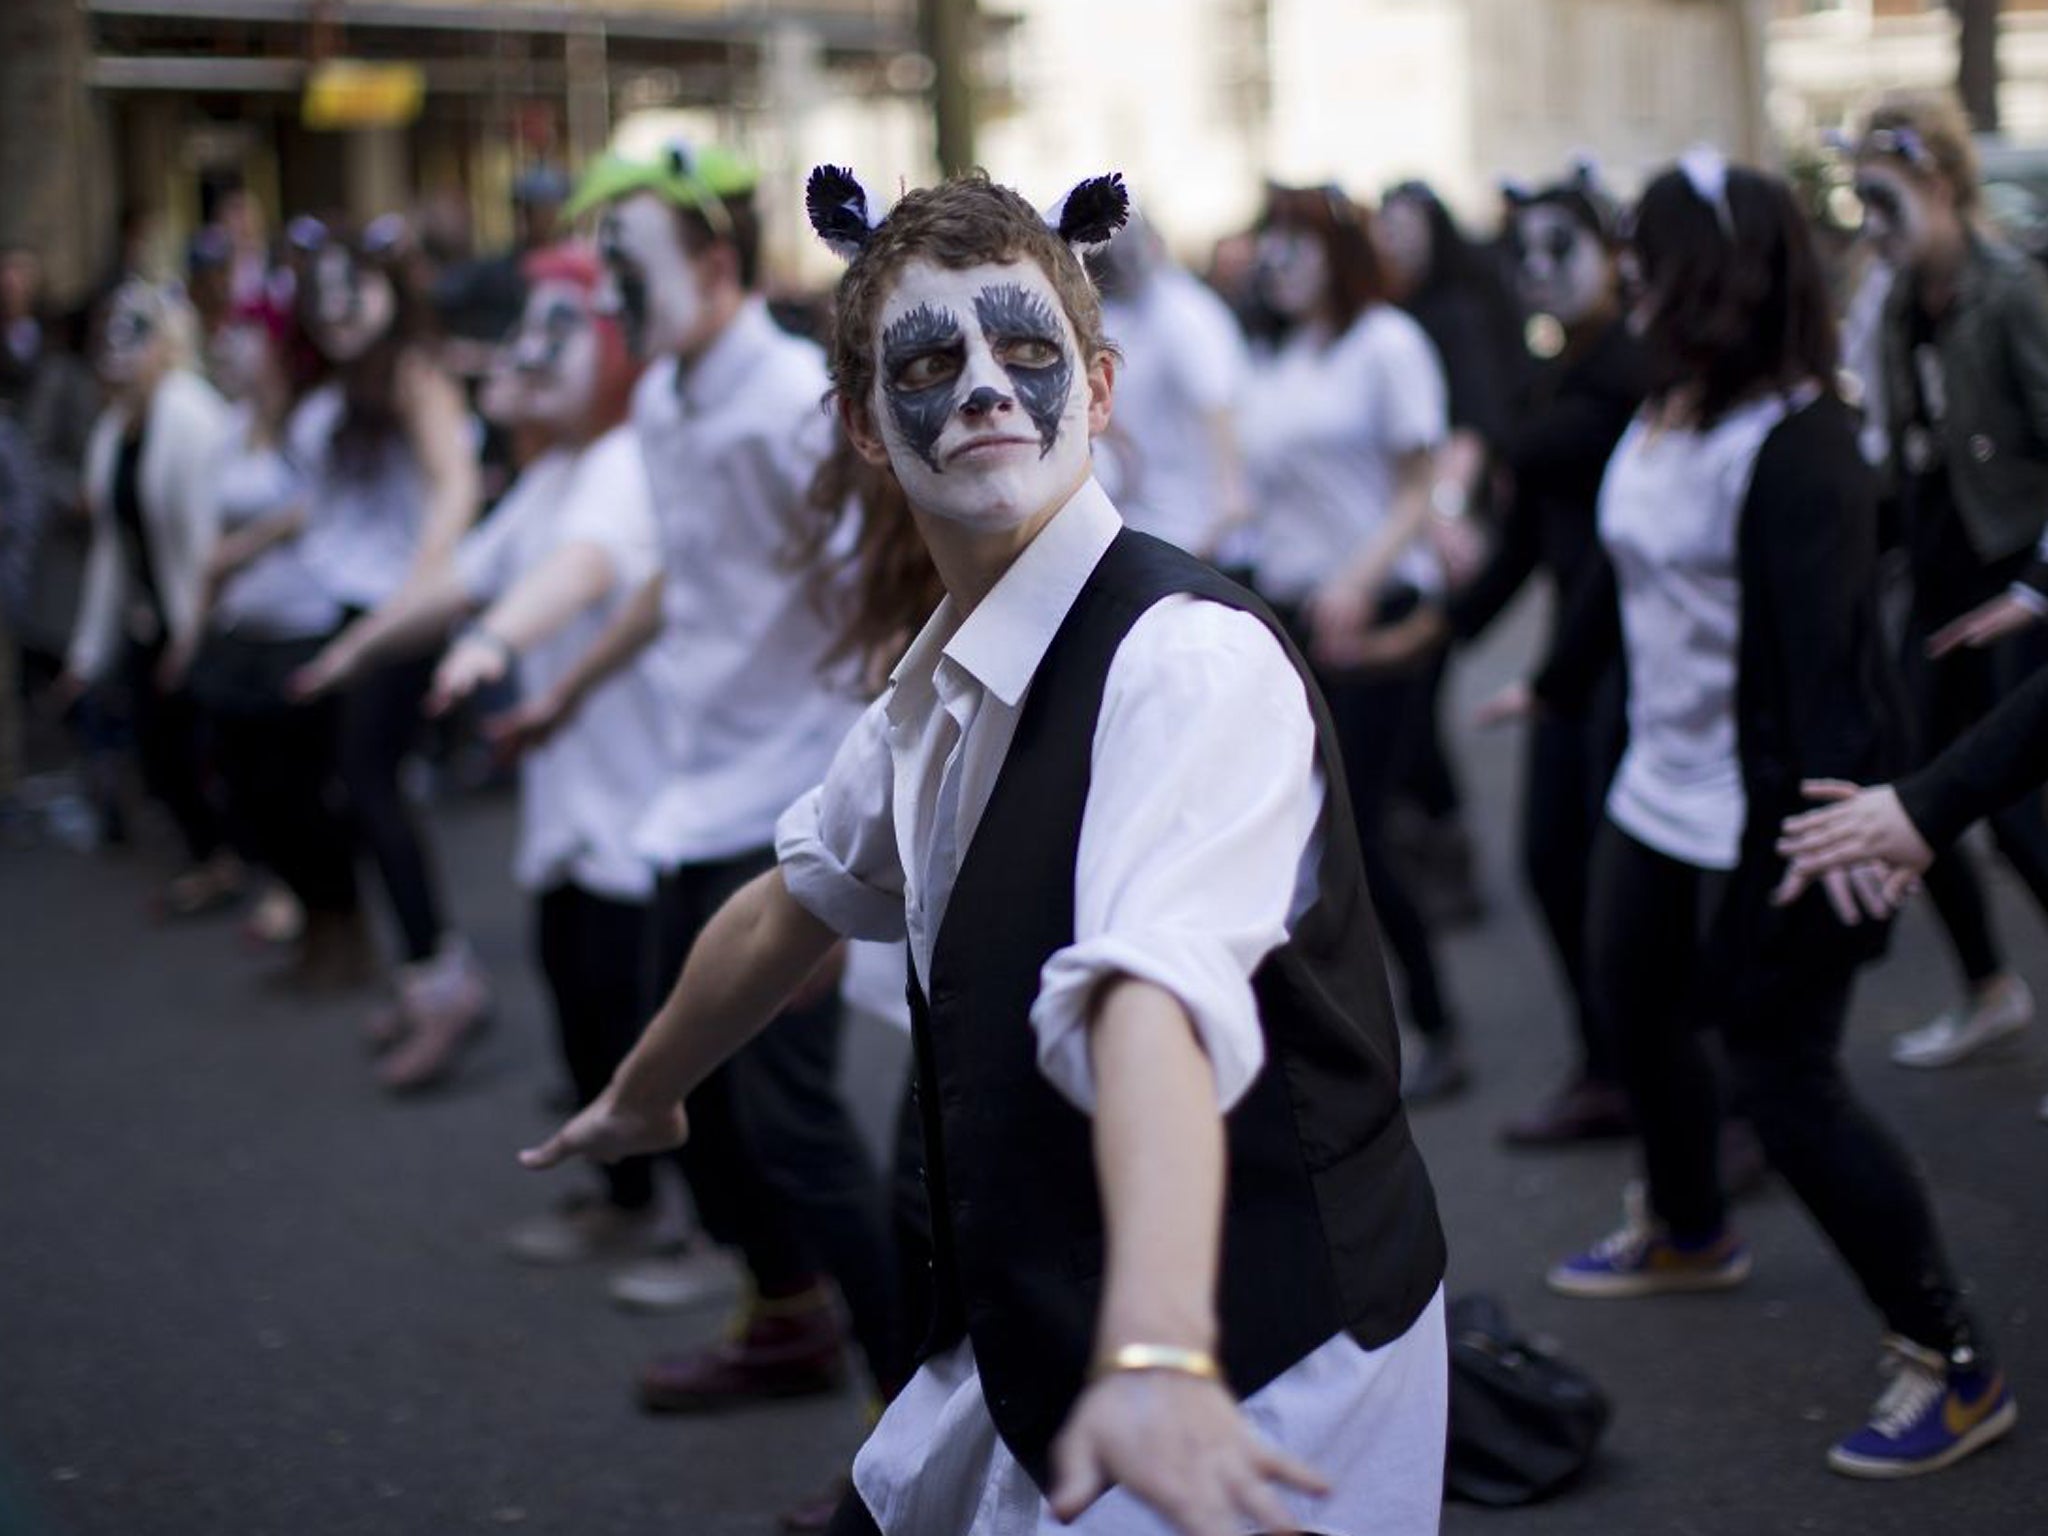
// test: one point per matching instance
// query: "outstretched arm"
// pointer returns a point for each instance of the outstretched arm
(1171, 1434)
(551, 594)
(630, 631)
(752, 957)
(414, 618)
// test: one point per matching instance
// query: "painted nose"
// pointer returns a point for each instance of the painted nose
(984, 401)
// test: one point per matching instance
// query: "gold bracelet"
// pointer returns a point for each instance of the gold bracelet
(1157, 1357)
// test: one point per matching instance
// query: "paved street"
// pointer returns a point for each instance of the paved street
(243, 1294)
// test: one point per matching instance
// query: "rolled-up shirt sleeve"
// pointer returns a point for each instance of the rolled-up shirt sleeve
(1198, 842)
(837, 843)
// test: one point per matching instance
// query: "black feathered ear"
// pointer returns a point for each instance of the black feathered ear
(839, 209)
(1092, 212)
(1518, 194)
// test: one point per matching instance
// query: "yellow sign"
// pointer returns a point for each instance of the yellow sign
(348, 93)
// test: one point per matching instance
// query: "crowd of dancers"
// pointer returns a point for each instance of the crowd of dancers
(802, 691)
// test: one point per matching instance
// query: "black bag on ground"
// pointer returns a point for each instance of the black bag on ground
(1523, 1423)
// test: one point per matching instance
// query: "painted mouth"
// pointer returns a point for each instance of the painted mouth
(987, 447)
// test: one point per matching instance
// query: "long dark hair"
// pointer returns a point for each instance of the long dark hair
(371, 425)
(1735, 300)
(1358, 279)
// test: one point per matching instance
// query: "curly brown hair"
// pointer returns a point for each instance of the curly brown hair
(962, 222)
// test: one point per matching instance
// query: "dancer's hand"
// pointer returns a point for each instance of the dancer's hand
(1182, 1446)
(1460, 546)
(1338, 615)
(610, 1128)
(1861, 836)
(1986, 625)
(1513, 703)
(473, 661)
(331, 669)
(1392, 647)
(175, 665)
(527, 725)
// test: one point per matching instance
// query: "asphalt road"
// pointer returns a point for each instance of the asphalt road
(243, 1294)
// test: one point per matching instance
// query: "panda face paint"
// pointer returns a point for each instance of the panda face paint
(353, 304)
(655, 287)
(1561, 267)
(129, 336)
(556, 354)
(975, 393)
(1895, 214)
(1293, 272)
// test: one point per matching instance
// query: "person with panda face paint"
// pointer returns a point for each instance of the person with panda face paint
(1096, 799)
(567, 549)
(1965, 356)
(1565, 241)
(390, 452)
(1340, 429)
(727, 417)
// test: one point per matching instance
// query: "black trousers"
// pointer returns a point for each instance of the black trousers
(170, 748)
(380, 719)
(1570, 762)
(774, 1162)
(1651, 915)
(593, 952)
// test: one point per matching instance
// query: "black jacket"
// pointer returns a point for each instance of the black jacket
(2002, 759)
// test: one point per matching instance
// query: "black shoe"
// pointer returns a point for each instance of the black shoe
(1585, 1110)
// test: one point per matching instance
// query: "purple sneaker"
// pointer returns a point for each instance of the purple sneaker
(1931, 1414)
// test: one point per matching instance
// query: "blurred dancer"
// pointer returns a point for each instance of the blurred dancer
(1178, 474)
(148, 489)
(1965, 347)
(1340, 432)
(390, 449)
(1566, 242)
(1096, 800)
(728, 418)
(266, 614)
(1738, 518)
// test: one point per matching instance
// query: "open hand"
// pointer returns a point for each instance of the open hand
(1982, 626)
(329, 670)
(608, 1129)
(527, 725)
(1338, 615)
(1859, 837)
(470, 664)
(1181, 1445)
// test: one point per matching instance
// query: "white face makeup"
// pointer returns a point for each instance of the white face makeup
(980, 396)
(239, 359)
(557, 355)
(1561, 267)
(1294, 273)
(655, 287)
(1895, 212)
(130, 336)
(353, 305)
(1402, 230)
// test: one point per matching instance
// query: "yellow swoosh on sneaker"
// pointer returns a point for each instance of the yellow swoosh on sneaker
(1959, 1418)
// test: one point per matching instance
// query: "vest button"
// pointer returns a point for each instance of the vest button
(1982, 449)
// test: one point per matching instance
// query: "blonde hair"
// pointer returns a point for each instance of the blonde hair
(1937, 120)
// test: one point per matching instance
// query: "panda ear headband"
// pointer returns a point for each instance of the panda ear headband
(845, 217)
(1581, 189)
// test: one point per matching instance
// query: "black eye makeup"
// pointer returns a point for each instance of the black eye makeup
(923, 352)
(1025, 332)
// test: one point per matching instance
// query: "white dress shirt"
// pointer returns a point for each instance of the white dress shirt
(1670, 513)
(1198, 848)
(1324, 425)
(583, 792)
(731, 444)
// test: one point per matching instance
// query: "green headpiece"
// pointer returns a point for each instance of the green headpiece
(686, 176)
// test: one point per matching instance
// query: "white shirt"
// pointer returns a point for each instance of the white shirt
(731, 445)
(1323, 428)
(364, 528)
(1670, 513)
(276, 596)
(1183, 362)
(1198, 848)
(585, 790)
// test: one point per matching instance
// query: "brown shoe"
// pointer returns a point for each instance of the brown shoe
(334, 956)
(791, 1348)
(1584, 1111)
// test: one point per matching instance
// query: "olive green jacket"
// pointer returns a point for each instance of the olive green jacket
(1994, 362)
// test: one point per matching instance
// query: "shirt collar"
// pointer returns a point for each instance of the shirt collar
(706, 383)
(1002, 642)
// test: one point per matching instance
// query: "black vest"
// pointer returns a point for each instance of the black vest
(1329, 1223)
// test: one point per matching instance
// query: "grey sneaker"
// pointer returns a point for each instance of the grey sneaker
(688, 1277)
(581, 1230)
(2006, 1010)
